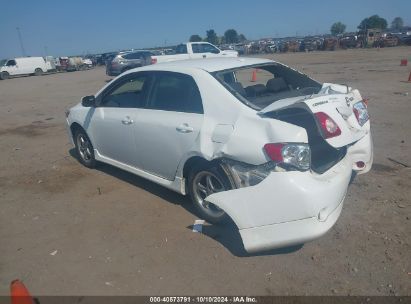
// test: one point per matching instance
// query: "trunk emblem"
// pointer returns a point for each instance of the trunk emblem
(320, 103)
(348, 100)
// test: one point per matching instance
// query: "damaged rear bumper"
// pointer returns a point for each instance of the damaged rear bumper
(287, 208)
(288, 233)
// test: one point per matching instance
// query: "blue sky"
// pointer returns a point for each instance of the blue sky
(77, 27)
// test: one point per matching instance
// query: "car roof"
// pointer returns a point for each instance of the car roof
(211, 64)
(132, 52)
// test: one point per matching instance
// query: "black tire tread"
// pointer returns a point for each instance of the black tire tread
(92, 163)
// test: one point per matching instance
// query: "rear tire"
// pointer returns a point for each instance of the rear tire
(38, 72)
(4, 75)
(204, 180)
(84, 149)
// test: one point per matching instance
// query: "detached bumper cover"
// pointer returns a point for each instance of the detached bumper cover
(288, 233)
(287, 208)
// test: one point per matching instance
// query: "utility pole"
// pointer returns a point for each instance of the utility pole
(21, 42)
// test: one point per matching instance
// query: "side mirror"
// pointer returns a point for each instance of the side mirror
(88, 101)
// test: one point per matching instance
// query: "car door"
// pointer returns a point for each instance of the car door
(209, 50)
(133, 60)
(111, 124)
(197, 51)
(169, 126)
(11, 67)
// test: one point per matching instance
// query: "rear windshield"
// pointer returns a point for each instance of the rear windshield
(260, 85)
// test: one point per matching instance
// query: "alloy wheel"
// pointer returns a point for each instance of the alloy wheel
(204, 184)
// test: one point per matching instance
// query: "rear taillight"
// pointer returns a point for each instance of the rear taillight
(274, 152)
(361, 112)
(293, 155)
(282, 156)
(328, 126)
(153, 60)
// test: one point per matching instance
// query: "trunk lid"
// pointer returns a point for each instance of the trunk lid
(337, 102)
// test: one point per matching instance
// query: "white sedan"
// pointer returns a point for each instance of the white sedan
(248, 139)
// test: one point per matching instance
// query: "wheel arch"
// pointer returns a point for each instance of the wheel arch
(74, 127)
(196, 160)
(192, 162)
(6, 73)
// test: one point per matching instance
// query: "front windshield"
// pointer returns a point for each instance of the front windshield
(3, 62)
(260, 85)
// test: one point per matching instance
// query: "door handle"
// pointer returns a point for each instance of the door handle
(184, 128)
(127, 121)
(204, 56)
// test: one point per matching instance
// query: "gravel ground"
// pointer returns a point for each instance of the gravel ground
(68, 230)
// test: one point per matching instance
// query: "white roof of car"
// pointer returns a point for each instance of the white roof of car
(210, 64)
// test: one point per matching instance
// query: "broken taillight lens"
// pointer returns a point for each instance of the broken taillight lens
(283, 157)
(328, 126)
(361, 112)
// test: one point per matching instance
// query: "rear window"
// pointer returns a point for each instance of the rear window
(138, 55)
(260, 85)
(181, 49)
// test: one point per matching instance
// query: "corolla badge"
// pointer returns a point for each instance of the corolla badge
(348, 100)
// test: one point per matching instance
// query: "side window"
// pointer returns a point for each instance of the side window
(129, 93)
(11, 63)
(196, 48)
(136, 55)
(208, 48)
(181, 49)
(175, 92)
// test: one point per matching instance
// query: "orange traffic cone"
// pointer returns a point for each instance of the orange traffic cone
(19, 293)
(254, 76)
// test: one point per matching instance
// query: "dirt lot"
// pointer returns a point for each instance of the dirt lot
(68, 230)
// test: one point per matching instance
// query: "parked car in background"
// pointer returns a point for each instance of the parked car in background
(23, 66)
(88, 63)
(387, 40)
(195, 50)
(78, 64)
(276, 156)
(107, 57)
(330, 44)
(63, 64)
(349, 41)
(128, 60)
(405, 39)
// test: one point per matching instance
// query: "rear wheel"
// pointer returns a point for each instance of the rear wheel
(4, 75)
(38, 72)
(203, 181)
(84, 149)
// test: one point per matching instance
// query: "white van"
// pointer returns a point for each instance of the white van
(22, 66)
